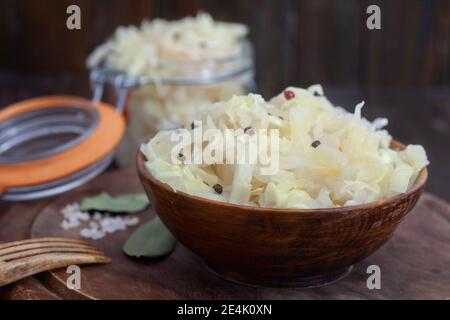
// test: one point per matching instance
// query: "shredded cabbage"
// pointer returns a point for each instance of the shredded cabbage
(328, 157)
(193, 47)
(154, 47)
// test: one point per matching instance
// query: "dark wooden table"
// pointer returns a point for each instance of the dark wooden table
(413, 263)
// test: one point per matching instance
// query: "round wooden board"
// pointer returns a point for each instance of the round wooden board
(414, 263)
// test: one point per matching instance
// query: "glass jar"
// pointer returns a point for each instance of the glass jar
(171, 101)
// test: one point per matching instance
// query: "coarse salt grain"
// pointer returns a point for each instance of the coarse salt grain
(68, 224)
(131, 221)
(94, 226)
(97, 216)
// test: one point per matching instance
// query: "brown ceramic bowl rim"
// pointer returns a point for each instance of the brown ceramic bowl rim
(418, 184)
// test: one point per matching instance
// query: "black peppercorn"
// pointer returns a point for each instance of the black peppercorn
(249, 130)
(218, 188)
(181, 156)
(176, 36)
(315, 144)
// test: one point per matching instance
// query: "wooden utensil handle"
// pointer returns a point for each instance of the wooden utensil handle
(23, 268)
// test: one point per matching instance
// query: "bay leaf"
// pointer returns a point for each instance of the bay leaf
(127, 203)
(151, 240)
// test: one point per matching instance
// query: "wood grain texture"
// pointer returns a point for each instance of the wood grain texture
(296, 42)
(21, 259)
(278, 247)
(414, 263)
(14, 228)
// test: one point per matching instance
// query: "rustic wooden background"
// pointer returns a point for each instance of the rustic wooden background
(296, 42)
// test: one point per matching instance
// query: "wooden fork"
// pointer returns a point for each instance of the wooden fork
(21, 259)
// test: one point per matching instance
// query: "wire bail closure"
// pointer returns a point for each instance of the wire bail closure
(99, 77)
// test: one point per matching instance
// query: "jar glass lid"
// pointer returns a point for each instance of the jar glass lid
(50, 145)
(44, 132)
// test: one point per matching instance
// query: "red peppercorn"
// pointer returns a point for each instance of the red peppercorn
(288, 94)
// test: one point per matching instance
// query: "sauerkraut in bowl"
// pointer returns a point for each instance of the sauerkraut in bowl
(326, 157)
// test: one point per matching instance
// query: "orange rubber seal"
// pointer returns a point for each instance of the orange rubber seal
(102, 142)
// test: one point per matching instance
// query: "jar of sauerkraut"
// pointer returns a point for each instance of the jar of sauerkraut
(164, 73)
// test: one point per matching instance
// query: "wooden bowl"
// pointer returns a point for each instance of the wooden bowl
(278, 247)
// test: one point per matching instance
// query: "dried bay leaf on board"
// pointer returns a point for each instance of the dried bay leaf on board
(128, 203)
(151, 240)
